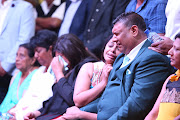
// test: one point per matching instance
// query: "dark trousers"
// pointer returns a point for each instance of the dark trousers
(4, 84)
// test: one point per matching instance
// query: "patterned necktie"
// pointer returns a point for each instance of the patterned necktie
(125, 61)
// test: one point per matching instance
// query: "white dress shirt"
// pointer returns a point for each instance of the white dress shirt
(133, 53)
(173, 18)
(59, 12)
(3, 12)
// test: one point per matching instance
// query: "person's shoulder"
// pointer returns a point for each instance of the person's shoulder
(90, 59)
(99, 64)
(39, 70)
(151, 54)
(42, 68)
(88, 66)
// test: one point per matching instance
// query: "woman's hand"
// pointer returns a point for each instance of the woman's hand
(105, 73)
(72, 113)
(32, 115)
(29, 116)
(57, 67)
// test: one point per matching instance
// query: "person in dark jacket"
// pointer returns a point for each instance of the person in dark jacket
(99, 24)
(76, 17)
(73, 52)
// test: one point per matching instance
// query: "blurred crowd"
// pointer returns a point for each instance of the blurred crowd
(89, 59)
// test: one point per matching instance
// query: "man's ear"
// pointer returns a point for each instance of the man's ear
(134, 30)
(50, 48)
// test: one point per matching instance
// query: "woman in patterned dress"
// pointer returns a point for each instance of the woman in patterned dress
(93, 77)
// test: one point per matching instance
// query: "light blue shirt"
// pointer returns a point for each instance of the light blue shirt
(153, 12)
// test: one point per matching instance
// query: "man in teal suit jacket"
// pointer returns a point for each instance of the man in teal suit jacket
(133, 87)
(17, 26)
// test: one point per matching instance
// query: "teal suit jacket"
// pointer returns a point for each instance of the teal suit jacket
(132, 90)
(18, 28)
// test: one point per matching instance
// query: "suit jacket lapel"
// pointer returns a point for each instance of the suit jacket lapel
(116, 66)
(68, 2)
(120, 72)
(144, 47)
(8, 17)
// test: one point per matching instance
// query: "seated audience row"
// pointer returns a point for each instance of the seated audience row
(130, 84)
(94, 27)
(75, 57)
(132, 80)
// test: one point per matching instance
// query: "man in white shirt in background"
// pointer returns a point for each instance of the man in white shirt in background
(17, 26)
(172, 27)
(50, 14)
(173, 19)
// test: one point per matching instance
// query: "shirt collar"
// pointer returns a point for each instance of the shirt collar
(133, 53)
(56, 2)
(6, 3)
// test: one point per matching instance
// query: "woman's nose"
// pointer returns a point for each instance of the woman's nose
(36, 55)
(170, 51)
(113, 49)
(17, 58)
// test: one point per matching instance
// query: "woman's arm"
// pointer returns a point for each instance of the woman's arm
(155, 110)
(74, 113)
(82, 93)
